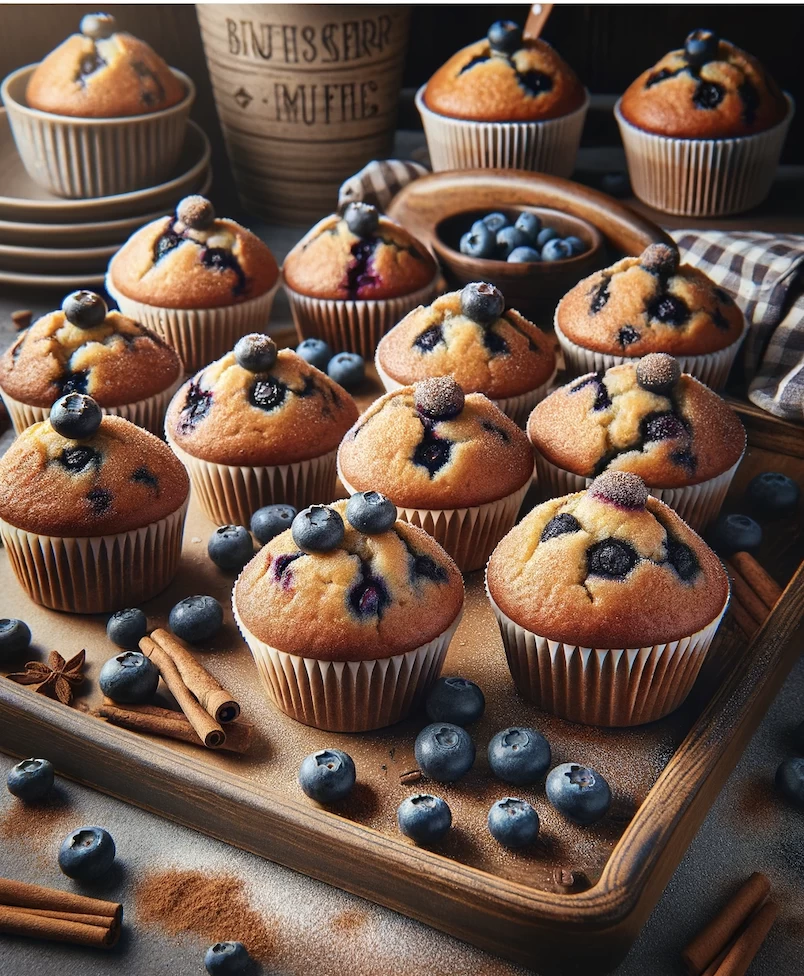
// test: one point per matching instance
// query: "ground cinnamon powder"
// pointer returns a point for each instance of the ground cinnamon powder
(36, 822)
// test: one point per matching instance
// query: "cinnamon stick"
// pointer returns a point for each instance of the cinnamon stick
(19, 894)
(18, 921)
(712, 968)
(211, 696)
(171, 725)
(743, 618)
(746, 946)
(765, 586)
(48, 913)
(537, 18)
(742, 592)
(101, 920)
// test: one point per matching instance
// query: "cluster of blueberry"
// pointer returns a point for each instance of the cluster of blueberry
(346, 368)
(523, 242)
(769, 495)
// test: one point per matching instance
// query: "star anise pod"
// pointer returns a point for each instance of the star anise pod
(54, 679)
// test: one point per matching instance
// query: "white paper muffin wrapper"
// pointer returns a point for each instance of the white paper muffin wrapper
(353, 326)
(702, 177)
(230, 494)
(96, 574)
(602, 686)
(549, 146)
(348, 696)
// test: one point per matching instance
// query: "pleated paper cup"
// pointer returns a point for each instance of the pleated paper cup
(348, 696)
(80, 158)
(97, 574)
(199, 335)
(702, 177)
(603, 686)
(549, 146)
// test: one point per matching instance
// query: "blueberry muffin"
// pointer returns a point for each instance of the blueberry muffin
(259, 427)
(470, 336)
(650, 303)
(199, 280)
(83, 348)
(453, 464)
(607, 603)
(91, 509)
(349, 584)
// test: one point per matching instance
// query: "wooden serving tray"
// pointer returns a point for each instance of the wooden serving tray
(574, 903)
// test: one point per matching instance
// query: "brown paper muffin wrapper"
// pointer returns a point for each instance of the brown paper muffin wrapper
(348, 696)
(603, 686)
(549, 146)
(696, 504)
(230, 494)
(702, 177)
(353, 326)
(97, 574)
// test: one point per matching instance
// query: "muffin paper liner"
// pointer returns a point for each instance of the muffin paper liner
(96, 574)
(199, 335)
(602, 686)
(348, 696)
(549, 146)
(353, 326)
(702, 177)
(230, 494)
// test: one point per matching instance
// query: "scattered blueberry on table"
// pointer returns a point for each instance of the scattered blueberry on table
(327, 776)
(31, 779)
(227, 959)
(347, 368)
(790, 780)
(370, 512)
(15, 636)
(525, 241)
(519, 756)
(580, 794)
(129, 678)
(317, 529)
(316, 352)
(772, 494)
(513, 822)
(87, 853)
(424, 818)
(230, 547)
(126, 628)
(444, 752)
(734, 533)
(267, 522)
(456, 700)
(196, 618)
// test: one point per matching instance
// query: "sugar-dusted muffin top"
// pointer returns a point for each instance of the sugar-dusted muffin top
(372, 596)
(103, 73)
(425, 446)
(119, 478)
(504, 78)
(645, 417)
(193, 260)
(360, 255)
(609, 567)
(710, 89)
(649, 304)
(486, 348)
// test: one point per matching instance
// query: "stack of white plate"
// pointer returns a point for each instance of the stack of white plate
(48, 241)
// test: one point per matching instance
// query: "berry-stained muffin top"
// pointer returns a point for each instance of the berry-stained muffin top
(82, 474)
(360, 255)
(470, 335)
(609, 567)
(104, 73)
(259, 407)
(193, 259)
(504, 78)
(366, 595)
(83, 348)
(710, 89)
(647, 418)
(650, 303)
(428, 446)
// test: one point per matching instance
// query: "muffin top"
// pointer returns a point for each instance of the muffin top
(470, 335)
(193, 260)
(360, 255)
(647, 417)
(376, 594)
(275, 412)
(103, 73)
(708, 90)
(83, 348)
(504, 78)
(609, 567)
(426, 446)
(112, 478)
(650, 304)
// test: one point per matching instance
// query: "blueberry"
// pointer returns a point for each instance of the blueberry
(444, 752)
(773, 494)
(75, 416)
(98, 26)
(509, 239)
(126, 628)
(370, 512)
(315, 352)
(798, 739)
(347, 368)
(129, 678)
(439, 397)
(576, 244)
(546, 234)
(255, 352)
(519, 756)
(227, 959)
(317, 529)
(196, 618)
(230, 547)
(15, 636)
(513, 823)
(734, 533)
(424, 818)
(790, 780)
(616, 184)
(479, 242)
(327, 776)
(505, 37)
(31, 779)
(196, 212)
(495, 221)
(524, 255)
(362, 219)
(455, 700)
(268, 522)
(482, 302)
(84, 309)
(701, 46)
(578, 793)
(556, 250)
(530, 224)
(86, 853)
